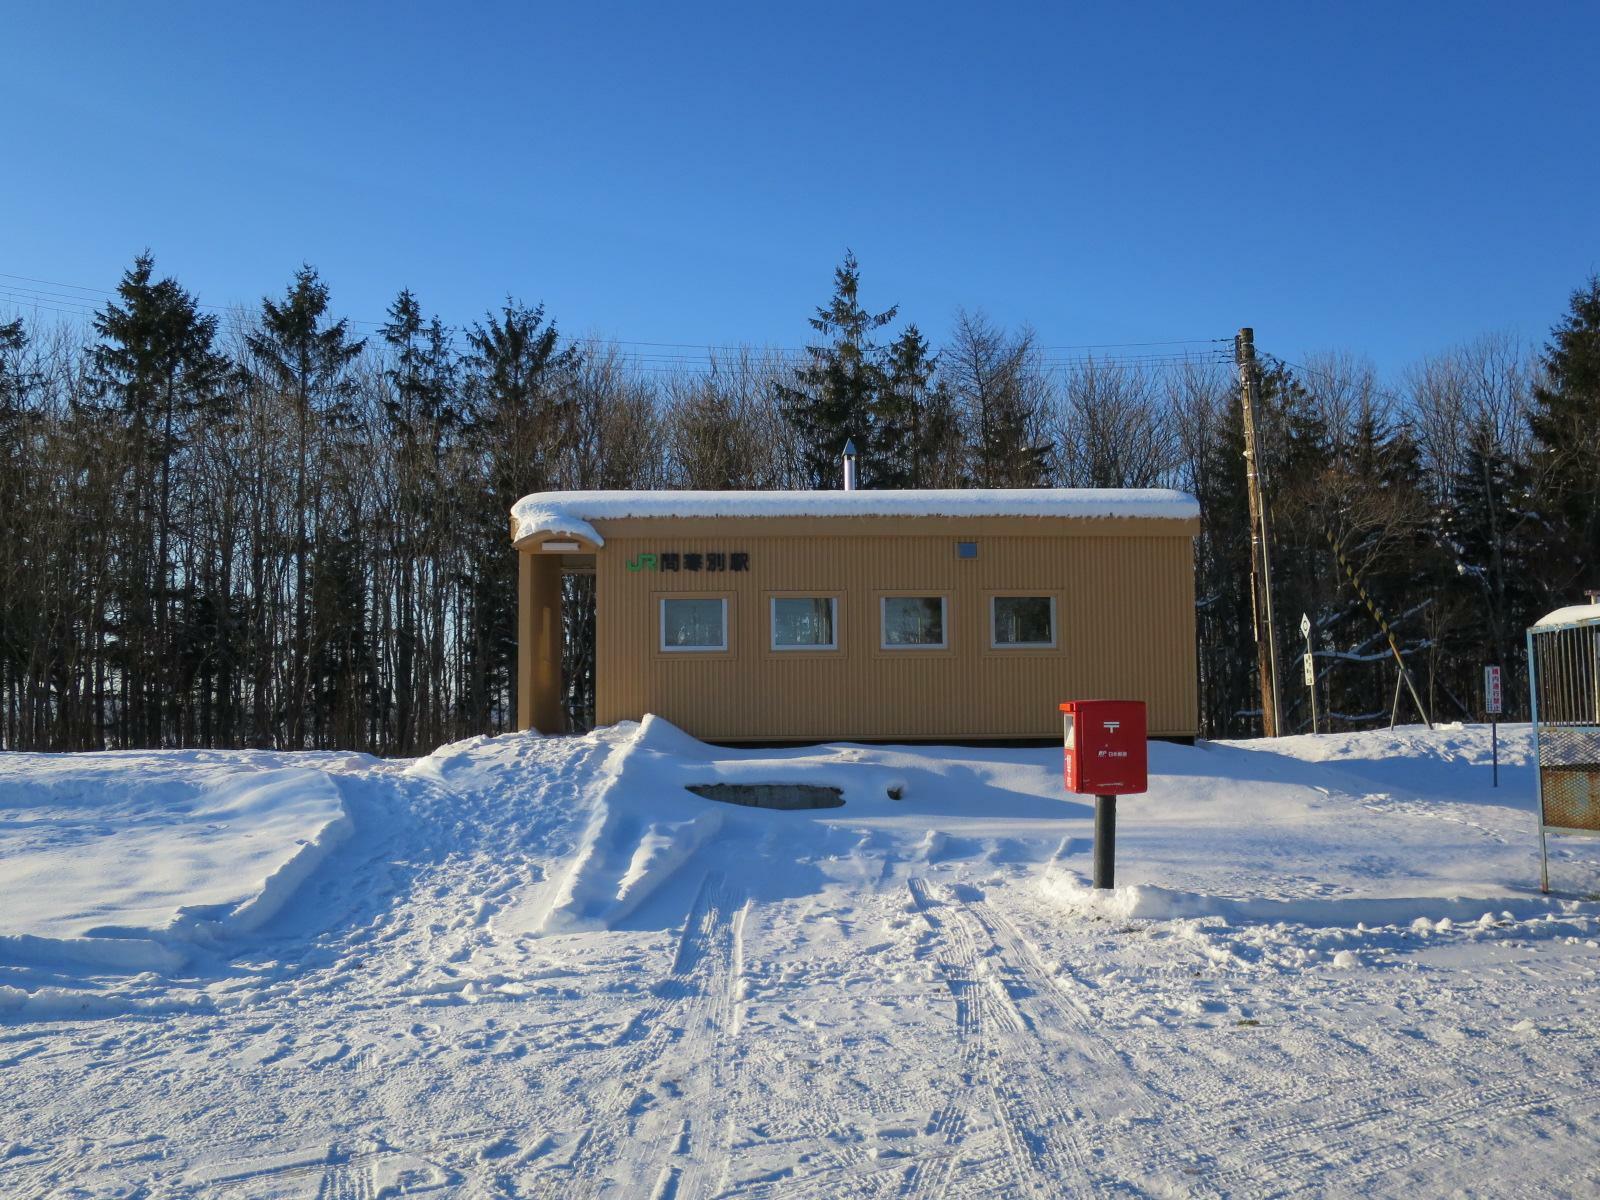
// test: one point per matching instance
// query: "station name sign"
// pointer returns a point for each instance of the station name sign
(673, 560)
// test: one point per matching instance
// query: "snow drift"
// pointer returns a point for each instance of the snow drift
(121, 862)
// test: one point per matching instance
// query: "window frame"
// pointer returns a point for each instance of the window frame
(946, 616)
(1054, 646)
(833, 599)
(724, 651)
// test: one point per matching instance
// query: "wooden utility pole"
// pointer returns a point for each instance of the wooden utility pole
(1244, 356)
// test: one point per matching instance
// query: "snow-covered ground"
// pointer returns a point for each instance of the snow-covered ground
(541, 967)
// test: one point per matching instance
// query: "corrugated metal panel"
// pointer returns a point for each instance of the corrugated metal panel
(1125, 611)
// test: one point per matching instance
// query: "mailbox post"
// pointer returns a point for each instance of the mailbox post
(1105, 755)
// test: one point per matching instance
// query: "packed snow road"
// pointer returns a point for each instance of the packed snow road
(540, 967)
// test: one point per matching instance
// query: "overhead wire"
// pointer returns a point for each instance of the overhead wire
(82, 301)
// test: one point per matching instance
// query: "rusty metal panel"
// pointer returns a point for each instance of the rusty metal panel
(1571, 797)
(1569, 777)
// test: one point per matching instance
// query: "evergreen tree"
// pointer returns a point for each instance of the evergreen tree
(17, 499)
(425, 401)
(13, 377)
(517, 371)
(1348, 477)
(1485, 532)
(836, 394)
(1566, 427)
(306, 357)
(916, 434)
(156, 359)
(422, 410)
(1227, 670)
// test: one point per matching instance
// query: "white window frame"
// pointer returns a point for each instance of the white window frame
(661, 627)
(772, 623)
(994, 640)
(883, 622)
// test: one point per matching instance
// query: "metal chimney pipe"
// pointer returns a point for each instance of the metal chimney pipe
(850, 465)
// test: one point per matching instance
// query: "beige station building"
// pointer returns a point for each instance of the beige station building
(952, 616)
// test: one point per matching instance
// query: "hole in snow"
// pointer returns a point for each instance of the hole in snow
(786, 796)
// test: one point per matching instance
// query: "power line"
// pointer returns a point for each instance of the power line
(50, 283)
(82, 301)
(1332, 378)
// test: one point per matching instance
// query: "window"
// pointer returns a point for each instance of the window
(1022, 621)
(689, 624)
(805, 623)
(914, 623)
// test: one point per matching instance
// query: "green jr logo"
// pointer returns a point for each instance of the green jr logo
(643, 562)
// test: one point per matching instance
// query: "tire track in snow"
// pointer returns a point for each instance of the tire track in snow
(704, 1171)
(1355, 1138)
(1000, 1045)
(1357, 1129)
(931, 1177)
(685, 1019)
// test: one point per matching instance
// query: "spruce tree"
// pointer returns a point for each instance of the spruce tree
(517, 369)
(1566, 427)
(424, 402)
(156, 360)
(836, 393)
(917, 437)
(423, 410)
(1485, 530)
(306, 357)
(1228, 697)
(17, 499)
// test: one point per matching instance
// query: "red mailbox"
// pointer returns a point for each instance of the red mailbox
(1105, 749)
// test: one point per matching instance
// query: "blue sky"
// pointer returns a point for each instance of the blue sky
(1386, 179)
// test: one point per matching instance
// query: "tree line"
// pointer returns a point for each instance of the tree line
(260, 527)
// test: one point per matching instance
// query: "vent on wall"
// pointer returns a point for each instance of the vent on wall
(966, 549)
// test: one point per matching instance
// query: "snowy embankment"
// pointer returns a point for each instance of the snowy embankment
(1344, 829)
(543, 966)
(128, 862)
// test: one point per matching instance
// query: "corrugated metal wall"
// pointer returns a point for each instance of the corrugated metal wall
(1125, 627)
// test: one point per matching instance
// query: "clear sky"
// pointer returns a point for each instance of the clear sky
(1384, 178)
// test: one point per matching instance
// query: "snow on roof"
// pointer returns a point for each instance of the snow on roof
(1573, 614)
(568, 514)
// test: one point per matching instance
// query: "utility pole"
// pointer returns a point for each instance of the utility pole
(1244, 356)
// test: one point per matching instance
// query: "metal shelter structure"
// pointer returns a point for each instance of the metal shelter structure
(1564, 695)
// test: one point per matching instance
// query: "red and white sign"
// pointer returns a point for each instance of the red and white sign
(1493, 698)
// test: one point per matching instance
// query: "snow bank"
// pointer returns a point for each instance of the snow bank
(1382, 828)
(1151, 903)
(569, 514)
(646, 825)
(123, 862)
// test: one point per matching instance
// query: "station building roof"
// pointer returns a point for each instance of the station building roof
(572, 514)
